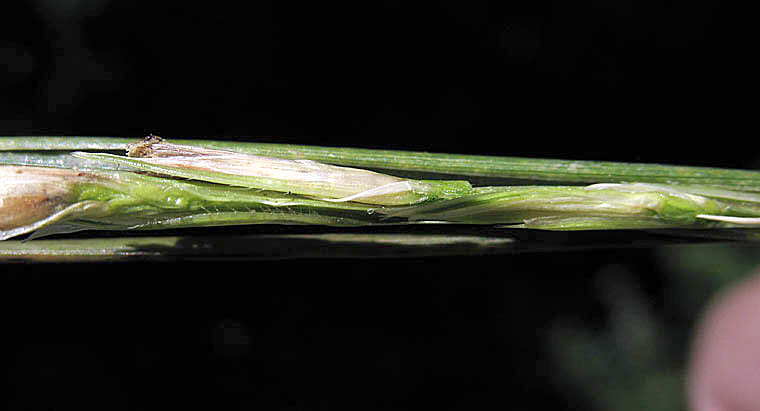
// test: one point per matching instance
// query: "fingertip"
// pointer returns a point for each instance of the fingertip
(724, 374)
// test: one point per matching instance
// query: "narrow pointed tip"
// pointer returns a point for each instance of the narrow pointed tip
(144, 147)
(747, 221)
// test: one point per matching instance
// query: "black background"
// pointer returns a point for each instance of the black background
(649, 81)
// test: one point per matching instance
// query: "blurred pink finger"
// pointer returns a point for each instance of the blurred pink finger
(725, 361)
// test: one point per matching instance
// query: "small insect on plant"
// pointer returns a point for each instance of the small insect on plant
(54, 185)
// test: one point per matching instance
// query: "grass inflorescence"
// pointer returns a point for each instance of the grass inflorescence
(52, 185)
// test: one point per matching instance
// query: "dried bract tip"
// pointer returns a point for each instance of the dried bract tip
(144, 147)
(157, 147)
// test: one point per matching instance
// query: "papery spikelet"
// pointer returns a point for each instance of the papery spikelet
(31, 196)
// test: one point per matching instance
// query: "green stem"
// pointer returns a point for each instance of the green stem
(529, 169)
(252, 247)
